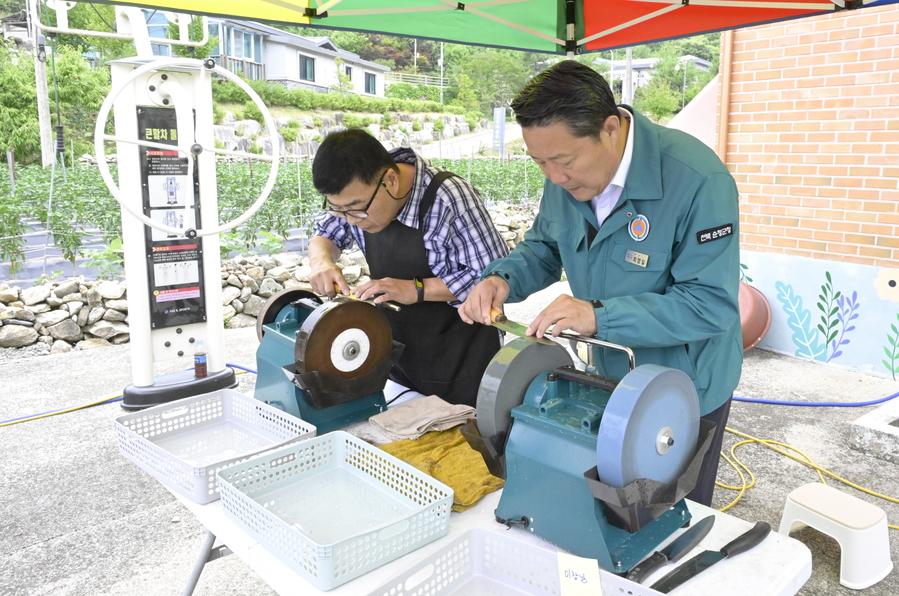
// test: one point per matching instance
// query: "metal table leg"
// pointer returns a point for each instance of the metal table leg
(207, 554)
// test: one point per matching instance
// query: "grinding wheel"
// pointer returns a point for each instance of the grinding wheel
(507, 378)
(649, 428)
(273, 306)
(343, 338)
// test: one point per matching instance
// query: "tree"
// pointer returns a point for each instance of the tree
(466, 97)
(194, 33)
(343, 84)
(657, 98)
(93, 17)
(498, 75)
(19, 130)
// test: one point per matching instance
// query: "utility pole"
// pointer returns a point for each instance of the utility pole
(441, 72)
(48, 148)
(627, 91)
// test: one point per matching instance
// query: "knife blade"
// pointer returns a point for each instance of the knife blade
(706, 559)
(500, 321)
(673, 552)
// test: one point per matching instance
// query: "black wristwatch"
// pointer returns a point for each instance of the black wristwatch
(420, 288)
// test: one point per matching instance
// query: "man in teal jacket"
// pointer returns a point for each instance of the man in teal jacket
(644, 222)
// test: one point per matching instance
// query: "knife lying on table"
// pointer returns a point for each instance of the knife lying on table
(499, 320)
(673, 552)
(706, 559)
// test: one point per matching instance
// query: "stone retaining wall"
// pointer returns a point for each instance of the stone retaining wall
(82, 314)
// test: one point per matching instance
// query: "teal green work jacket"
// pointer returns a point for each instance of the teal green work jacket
(671, 295)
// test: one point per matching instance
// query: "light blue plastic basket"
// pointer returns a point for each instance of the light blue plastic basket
(185, 442)
(334, 507)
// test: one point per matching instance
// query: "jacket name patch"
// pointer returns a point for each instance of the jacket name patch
(714, 233)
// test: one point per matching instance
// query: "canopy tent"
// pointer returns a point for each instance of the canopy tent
(549, 26)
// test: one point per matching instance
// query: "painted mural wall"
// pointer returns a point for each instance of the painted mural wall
(842, 314)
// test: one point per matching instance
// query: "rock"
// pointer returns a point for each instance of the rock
(241, 320)
(257, 273)
(352, 272)
(287, 259)
(279, 274)
(303, 273)
(66, 288)
(34, 294)
(357, 257)
(15, 336)
(83, 315)
(8, 295)
(91, 343)
(230, 293)
(53, 301)
(20, 314)
(121, 339)
(95, 314)
(74, 297)
(120, 305)
(292, 284)
(38, 308)
(107, 329)
(250, 282)
(48, 319)
(234, 281)
(237, 305)
(60, 347)
(67, 330)
(267, 262)
(268, 287)
(228, 312)
(245, 294)
(114, 315)
(18, 322)
(253, 306)
(74, 307)
(111, 290)
(46, 339)
(94, 299)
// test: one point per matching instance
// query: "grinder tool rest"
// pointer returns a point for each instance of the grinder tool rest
(596, 466)
(325, 363)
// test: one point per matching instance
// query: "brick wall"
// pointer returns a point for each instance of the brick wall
(813, 136)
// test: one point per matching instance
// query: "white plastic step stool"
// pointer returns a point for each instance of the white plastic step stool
(859, 527)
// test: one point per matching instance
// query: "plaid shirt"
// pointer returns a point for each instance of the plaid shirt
(459, 236)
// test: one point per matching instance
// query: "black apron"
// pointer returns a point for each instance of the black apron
(444, 356)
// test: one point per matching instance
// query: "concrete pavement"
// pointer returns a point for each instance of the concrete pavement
(76, 518)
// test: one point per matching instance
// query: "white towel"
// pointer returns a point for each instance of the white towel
(415, 417)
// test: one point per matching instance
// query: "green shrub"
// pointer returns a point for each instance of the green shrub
(416, 125)
(252, 112)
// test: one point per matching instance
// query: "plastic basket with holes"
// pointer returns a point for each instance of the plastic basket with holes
(490, 563)
(184, 443)
(334, 507)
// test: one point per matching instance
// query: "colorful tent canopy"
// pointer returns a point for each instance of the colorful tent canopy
(551, 26)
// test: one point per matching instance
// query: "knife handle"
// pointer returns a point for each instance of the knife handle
(497, 316)
(747, 541)
(645, 568)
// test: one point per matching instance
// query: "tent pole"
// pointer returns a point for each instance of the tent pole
(724, 111)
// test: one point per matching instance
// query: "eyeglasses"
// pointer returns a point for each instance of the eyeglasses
(355, 213)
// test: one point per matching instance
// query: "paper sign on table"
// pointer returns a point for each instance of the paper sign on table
(578, 576)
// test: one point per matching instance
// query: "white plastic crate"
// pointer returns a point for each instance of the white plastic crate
(184, 443)
(334, 507)
(485, 563)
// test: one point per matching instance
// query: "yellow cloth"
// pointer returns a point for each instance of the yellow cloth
(446, 456)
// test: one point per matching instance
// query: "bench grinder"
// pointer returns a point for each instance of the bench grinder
(325, 363)
(596, 466)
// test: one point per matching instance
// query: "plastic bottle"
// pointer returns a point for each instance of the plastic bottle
(200, 360)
